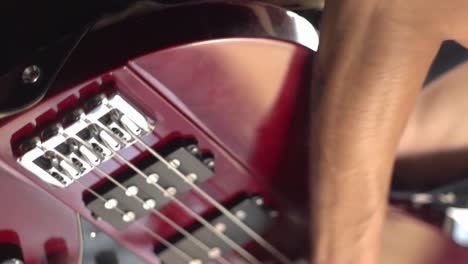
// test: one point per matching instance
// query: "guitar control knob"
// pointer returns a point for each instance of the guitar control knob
(10, 253)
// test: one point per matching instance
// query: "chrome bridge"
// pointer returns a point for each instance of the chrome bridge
(85, 137)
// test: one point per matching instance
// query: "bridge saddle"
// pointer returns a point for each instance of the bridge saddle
(83, 139)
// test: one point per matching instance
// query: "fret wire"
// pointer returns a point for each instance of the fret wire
(244, 253)
(262, 242)
(163, 241)
(178, 228)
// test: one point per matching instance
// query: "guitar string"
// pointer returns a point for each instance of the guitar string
(244, 253)
(262, 242)
(163, 241)
(211, 252)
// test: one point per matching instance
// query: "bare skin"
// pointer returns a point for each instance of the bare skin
(373, 59)
(434, 146)
(433, 150)
(407, 240)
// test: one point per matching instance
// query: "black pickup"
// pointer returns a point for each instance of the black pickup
(189, 162)
(249, 210)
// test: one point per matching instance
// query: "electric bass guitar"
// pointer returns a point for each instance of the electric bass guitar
(162, 135)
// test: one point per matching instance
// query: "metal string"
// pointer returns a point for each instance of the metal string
(244, 253)
(196, 241)
(262, 242)
(163, 241)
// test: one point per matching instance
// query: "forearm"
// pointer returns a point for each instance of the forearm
(366, 85)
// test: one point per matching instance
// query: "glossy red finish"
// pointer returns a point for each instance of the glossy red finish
(246, 100)
(251, 99)
(35, 221)
(203, 61)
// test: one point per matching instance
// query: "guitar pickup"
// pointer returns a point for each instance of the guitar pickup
(151, 188)
(249, 210)
(83, 139)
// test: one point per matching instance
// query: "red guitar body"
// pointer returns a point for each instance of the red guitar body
(243, 99)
